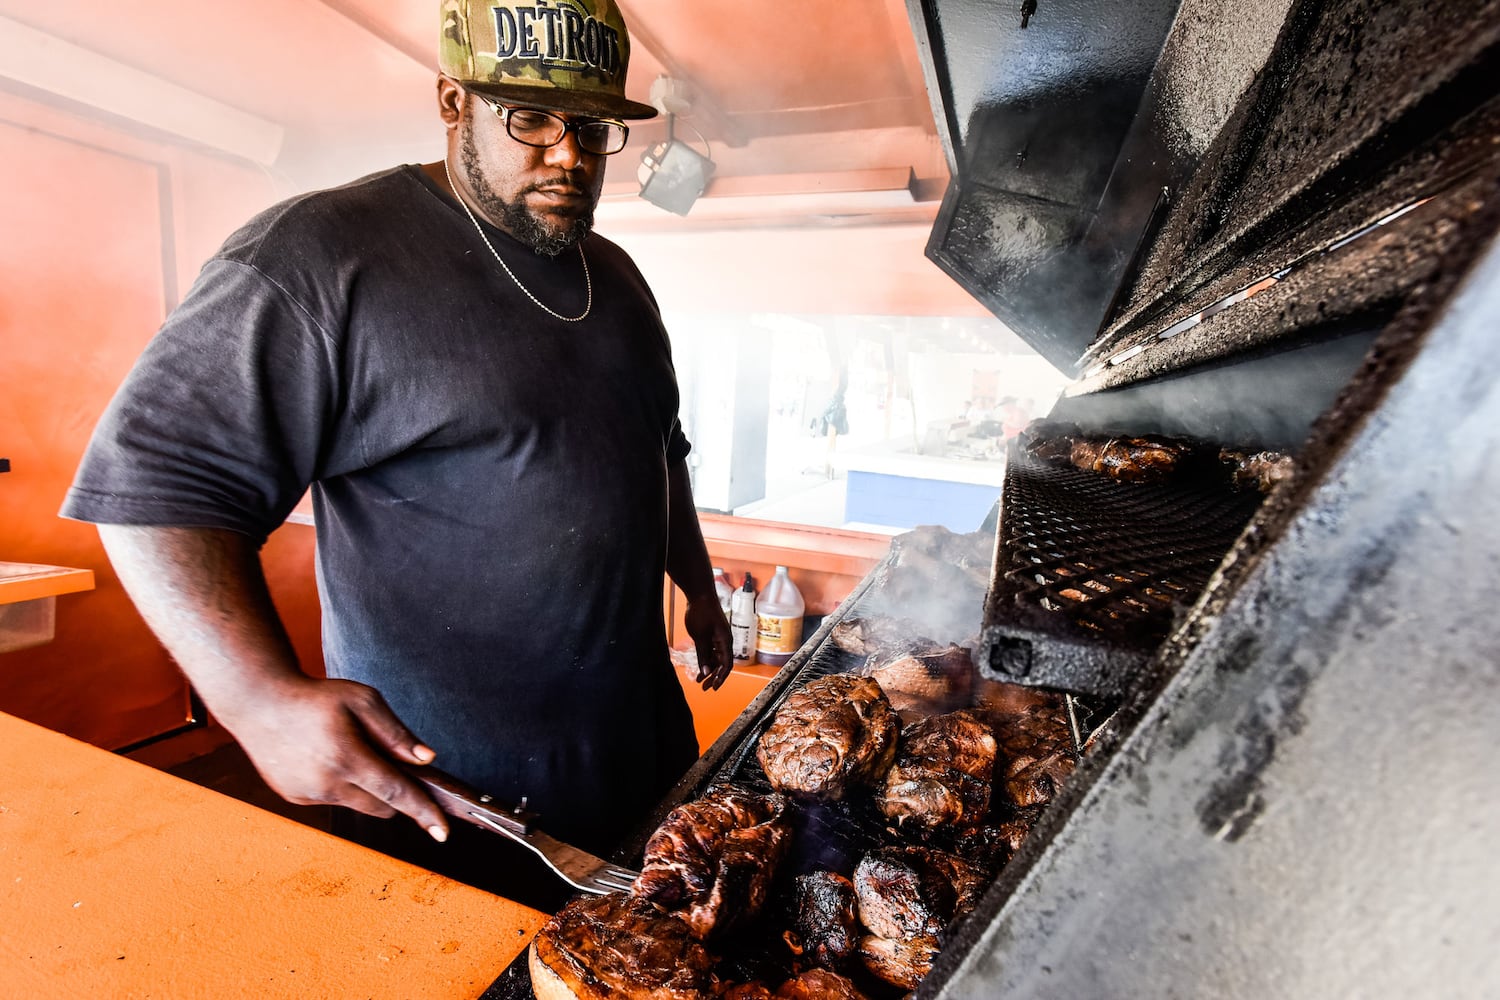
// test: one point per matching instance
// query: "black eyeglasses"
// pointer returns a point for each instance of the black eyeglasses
(541, 129)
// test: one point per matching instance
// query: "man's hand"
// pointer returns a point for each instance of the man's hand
(329, 742)
(709, 628)
(204, 594)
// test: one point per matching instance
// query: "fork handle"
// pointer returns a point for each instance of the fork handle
(464, 802)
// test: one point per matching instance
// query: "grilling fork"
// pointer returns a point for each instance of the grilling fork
(581, 870)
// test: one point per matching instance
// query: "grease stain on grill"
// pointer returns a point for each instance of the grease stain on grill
(1235, 801)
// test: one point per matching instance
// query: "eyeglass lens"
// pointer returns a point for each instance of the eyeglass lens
(542, 129)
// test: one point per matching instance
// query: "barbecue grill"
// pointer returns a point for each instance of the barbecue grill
(1261, 225)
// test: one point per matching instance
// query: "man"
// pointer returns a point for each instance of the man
(480, 395)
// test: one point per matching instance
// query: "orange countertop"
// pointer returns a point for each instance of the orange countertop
(32, 581)
(119, 880)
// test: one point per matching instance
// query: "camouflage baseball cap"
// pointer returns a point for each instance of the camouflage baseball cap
(559, 55)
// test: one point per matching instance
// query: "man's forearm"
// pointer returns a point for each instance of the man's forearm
(687, 554)
(315, 741)
(688, 565)
(203, 593)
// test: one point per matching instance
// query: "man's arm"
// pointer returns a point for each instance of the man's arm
(688, 565)
(204, 594)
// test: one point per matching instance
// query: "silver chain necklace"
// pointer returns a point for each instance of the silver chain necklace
(588, 282)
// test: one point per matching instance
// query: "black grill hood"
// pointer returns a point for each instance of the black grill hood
(1121, 169)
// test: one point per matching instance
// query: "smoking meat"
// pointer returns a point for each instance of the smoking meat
(712, 860)
(836, 733)
(943, 773)
(599, 947)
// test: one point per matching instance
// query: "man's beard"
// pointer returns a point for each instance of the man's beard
(513, 216)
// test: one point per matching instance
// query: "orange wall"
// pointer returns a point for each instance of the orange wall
(103, 231)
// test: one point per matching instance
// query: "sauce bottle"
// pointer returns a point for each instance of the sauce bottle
(742, 622)
(778, 613)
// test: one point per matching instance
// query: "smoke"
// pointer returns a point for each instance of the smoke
(1266, 402)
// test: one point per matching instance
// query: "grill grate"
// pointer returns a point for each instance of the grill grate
(1091, 574)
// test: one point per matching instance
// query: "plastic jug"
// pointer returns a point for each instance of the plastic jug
(778, 613)
(724, 589)
(742, 622)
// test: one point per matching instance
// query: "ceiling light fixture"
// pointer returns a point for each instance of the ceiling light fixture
(673, 174)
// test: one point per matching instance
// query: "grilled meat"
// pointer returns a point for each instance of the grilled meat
(815, 984)
(990, 846)
(1036, 754)
(1013, 833)
(1151, 458)
(944, 770)
(902, 963)
(825, 920)
(999, 700)
(942, 572)
(879, 635)
(1036, 782)
(836, 733)
(907, 891)
(712, 860)
(818, 984)
(747, 991)
(907, 897)
(927, 682)
(1134, 460)
(1261, 470)
(1049, 441)
(599, 947)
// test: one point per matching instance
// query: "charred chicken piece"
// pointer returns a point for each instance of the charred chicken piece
(825, 921)
(818, 984)
(1000, 701)
(747, 991)
(1143, 459)
(836, 733)
(935, 576)
(712, 860)
(1036, 754)
(1049, 441)
(1261, 470)
(1134, 460)
(599, 947)
(879, 635)
(902, 963)
(907, 891)
(990, 846)
(943, 773)
(815, 984)
(907, 897)
(928, 682)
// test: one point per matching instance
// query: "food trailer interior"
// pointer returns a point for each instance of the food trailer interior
(1266, 225)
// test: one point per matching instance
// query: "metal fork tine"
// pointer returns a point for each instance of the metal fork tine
(614, 881)
(580, 870)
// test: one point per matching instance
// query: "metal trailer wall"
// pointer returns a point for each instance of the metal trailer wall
(1310, 807)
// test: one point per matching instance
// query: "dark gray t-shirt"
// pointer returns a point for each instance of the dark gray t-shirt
(489, 483)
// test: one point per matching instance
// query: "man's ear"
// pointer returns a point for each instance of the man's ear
(451, 99)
